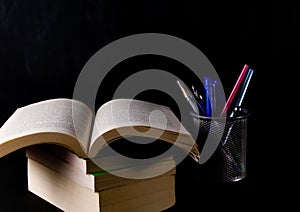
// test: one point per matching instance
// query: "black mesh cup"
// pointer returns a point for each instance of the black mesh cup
(228, 162)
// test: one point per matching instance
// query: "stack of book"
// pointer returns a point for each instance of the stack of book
(74, 184)
(70, 180)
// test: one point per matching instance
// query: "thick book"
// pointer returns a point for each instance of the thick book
(101, 179)
(85, 165)
(151, 195)
(72, 124)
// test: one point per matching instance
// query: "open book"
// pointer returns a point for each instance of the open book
(72, 124)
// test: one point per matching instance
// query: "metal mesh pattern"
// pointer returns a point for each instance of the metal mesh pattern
(229, 158)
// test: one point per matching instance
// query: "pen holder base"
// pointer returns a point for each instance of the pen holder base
(228, 162)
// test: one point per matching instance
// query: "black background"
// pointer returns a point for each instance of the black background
(44, 45)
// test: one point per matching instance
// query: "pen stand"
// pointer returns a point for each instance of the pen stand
(228, 162)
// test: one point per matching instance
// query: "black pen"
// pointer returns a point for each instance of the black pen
(189, 96)
(199, 100)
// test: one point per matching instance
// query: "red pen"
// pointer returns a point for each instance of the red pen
(235, 89)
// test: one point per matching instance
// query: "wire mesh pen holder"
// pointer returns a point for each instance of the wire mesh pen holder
(228, 162)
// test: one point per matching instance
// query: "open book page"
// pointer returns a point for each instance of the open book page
(63, 116)
(130, 117)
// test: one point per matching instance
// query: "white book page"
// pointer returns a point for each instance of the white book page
(120, 113)
(65, 116)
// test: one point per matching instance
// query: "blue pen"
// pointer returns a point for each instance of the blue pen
(207, 95)
(214, 95)
(219, 99)
(244, 88)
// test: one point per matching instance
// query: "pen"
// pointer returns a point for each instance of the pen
(244, 88)
(195, 93)
(188, 95)
(214, 94)
(201, 106)
(207, 95)
(240, 99)
(199, 99)
(235, 89)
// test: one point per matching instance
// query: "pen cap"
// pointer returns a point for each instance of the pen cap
(228, 161)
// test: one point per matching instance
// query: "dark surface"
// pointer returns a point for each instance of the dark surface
(44, 45)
